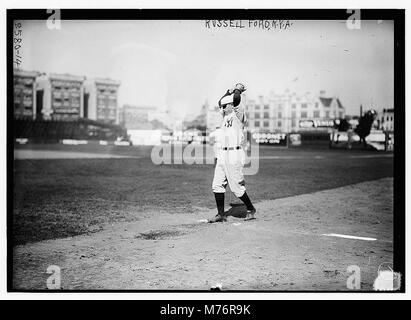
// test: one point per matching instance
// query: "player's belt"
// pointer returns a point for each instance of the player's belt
(232, 148)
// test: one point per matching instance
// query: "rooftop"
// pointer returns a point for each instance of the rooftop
(23, 73)
(66, 77)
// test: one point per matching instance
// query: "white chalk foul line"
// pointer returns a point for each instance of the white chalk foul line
(348, 237)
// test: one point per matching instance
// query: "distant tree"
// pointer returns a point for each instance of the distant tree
(200, 127)
(364, 125)
(156, 124)
(200, 123)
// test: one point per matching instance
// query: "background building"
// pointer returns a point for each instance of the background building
(57, 106)
(101, 100)
(25, 94)
(291, 112)
(386, 120)
(60, 96)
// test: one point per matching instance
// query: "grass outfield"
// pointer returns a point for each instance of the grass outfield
(60, 198)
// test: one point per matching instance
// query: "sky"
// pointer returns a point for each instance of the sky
(178, 65)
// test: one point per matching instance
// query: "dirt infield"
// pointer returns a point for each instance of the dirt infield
(284, 249)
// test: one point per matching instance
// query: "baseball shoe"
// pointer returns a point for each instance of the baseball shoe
(250, 215)
(218, 218)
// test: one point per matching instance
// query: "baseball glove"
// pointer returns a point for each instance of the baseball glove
(240, 87)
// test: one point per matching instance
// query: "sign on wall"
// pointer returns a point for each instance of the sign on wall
(295, 139)
(316, 124)
(275, 139)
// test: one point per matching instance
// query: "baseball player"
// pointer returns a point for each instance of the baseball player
(231, 156)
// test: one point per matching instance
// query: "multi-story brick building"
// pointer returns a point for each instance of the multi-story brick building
(60, 96)
(290, 112)
(25, 94)
(101, 100)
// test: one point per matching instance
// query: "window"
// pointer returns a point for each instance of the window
(303, 105)
(266, 115)
(303, 114)
(257, 115)
(100, 101)
(279, 123)
(280, 115)
(266, 124)
(327, 114)
(340, 115)
(316, 114)
(257, 107)
(316, 104)
(266, 107)
(293, 123)
(256, 124)
(293, 114)
(293, 105)
(280, 106)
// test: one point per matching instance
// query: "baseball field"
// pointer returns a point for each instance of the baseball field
(111, 219)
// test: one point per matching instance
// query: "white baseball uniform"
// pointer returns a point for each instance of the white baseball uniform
(215, 140)
(231, 156)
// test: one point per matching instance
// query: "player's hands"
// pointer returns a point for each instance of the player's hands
(239, 86)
